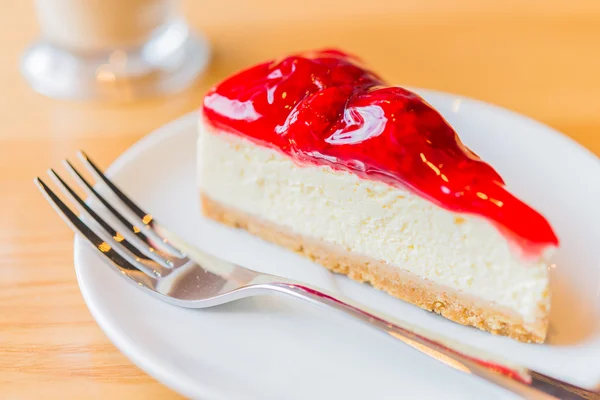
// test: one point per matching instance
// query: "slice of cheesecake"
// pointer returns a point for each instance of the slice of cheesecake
(316, 153)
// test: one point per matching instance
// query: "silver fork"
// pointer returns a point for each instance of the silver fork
(163, 265)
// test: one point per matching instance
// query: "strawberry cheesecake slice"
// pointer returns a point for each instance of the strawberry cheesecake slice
(316, 153)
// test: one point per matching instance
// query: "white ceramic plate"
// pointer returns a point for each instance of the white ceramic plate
(271, 348)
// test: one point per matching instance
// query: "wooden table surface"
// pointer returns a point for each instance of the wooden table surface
(540, 58)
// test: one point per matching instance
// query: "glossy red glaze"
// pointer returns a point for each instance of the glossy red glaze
(325, 108)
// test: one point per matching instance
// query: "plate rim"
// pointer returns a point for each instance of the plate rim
(172, 128)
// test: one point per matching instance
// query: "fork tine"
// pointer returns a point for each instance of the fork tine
(90, 189)
(142, 239)
(150, 223)
(152, 257)
(116, 259)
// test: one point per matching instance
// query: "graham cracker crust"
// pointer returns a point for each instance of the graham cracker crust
(404, 285)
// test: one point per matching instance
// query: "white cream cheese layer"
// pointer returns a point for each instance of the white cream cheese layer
(371, 218)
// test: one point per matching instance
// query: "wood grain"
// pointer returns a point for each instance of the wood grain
(538, 57)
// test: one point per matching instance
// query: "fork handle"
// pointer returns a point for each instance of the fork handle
(522, 381)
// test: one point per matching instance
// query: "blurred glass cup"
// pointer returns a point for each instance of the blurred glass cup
(113, 49)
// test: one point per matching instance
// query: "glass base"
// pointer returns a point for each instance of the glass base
(169, 62)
